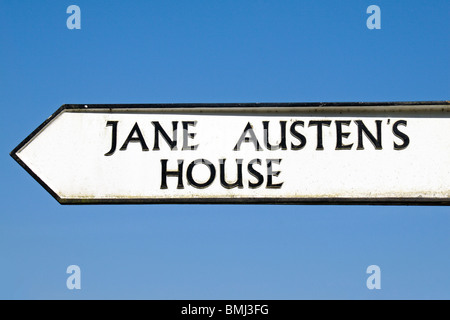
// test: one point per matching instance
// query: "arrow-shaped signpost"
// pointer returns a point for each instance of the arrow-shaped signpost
(316, 153)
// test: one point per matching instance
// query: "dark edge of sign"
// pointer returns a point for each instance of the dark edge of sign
(267, 201)
(248, 105)
(13, 153)
(419, 201)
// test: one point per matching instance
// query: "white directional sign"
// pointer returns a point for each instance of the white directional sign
(324, 153)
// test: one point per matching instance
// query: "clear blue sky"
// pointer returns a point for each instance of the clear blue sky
(216, 51)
